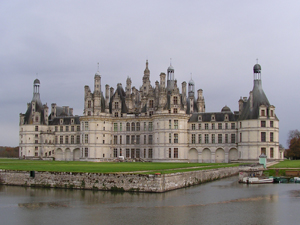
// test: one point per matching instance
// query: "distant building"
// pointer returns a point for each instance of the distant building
(158, 123)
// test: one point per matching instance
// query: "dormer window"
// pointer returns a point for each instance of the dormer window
(199, 118)
(61, 121)
(226, 117)
(213, 117)
(263, 112)
(272, 113)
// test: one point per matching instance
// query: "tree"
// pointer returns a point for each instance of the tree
(294, 144)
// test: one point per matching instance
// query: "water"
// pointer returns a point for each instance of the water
(219, 202)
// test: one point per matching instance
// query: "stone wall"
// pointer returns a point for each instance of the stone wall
(114, 181)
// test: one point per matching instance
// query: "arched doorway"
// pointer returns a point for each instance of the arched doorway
(233, 154)
(76, 154)
(193, 155)
(220, 156)
(206, 156)
(59, 156)
(68, 156)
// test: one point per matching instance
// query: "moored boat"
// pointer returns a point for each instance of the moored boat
(257, 180)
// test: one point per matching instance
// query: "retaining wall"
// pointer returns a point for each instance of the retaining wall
(114, 181)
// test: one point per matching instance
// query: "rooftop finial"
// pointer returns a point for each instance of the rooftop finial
(170, 61)
(256, 61)
(98, 66)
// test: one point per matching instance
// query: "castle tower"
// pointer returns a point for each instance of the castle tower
(97, 93)
(170, 78)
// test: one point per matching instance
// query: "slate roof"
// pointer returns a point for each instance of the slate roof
(259, 98)
(219, 117)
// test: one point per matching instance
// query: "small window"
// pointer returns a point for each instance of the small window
(263, 112)
(199, 118)
(271, 124)
(263, 123)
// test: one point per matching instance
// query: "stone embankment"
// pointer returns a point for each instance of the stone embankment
(114, 181)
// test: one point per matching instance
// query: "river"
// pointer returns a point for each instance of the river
(220, 202)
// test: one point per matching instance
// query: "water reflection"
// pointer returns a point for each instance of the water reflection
(219, 202)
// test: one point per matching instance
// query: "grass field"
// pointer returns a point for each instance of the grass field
(285, 165)
(106, 167)
(293, 164)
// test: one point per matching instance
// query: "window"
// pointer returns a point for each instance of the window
(240, 124)
(137, 153)
(72, 128)
(150, 126)
(116, 105)
(206, 126)
(271, 124)
(36, 135)
(263, 151)
(193, 126)
(193, 138)
(175, 110)
(176, 124)
(271, 152)
(127, 126)
(175, 153)
(138, 126)
(61, 128)
(127, 139)
(86, 138)
(271, 137)
(132, 139)
(170, 153)
(78, 128)
(86, 152)
(115, 152)
(170, 124)
(150, 139)
(115, 139)
(175, 138)
(78, 139)
(120, 139)
(241, 137)
(150, 103)
(145, 153)
(170, 138)
(56, 128)
(232, 126)
(36, 128)
(116, 114)
(199, 118)
(89, 104)
(213, 126)
(226, 138)
(115, 127)
(138, 139)
(132, 126)
(263, 112)
(206, 138)
(72, 139)
(219, 138)
(36, 141)
(220, 126)
(145, 139)
(175, 100)
(61, 139)
(89, 113)
(36, 119)
(263, 123)
(199, 126)
(127, 153)
(226, 126)
(67, 139)
(272, 114)
(199, 138)
(150, 153)
(145, 126)
(263, 136)
(213, 138)
(232, 138)
(86, 125)
(120, 126)
(67, 128)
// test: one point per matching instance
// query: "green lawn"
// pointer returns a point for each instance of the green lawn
(106, 167)
(293, 164)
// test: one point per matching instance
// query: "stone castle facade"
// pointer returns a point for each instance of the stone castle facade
(156, 123)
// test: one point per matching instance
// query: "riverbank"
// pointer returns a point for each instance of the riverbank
(114, 181)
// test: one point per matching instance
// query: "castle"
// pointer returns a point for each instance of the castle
(157, 123)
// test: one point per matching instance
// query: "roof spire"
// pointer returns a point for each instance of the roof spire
(98, 66)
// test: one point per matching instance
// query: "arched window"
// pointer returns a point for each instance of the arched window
(127, 126)
(132, 126)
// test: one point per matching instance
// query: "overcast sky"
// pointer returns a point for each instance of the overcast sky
(61, 42)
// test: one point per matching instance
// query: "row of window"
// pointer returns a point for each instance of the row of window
(134, 153)
(133, 126)
(212, 139)
(67, 128)
(213, 126)
(133, 139)
(264, 151)
(68, 139)
(263, 137)
(263, 123)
